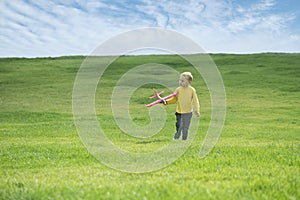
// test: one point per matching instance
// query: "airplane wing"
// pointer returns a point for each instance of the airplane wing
(156, 94)
(153, 103)
(158, 101)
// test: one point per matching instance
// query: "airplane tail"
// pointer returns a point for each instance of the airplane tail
(156, 94)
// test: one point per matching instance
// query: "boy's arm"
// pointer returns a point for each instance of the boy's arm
(171, 100)
(196, 103)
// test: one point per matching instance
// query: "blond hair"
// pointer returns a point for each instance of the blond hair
(188, 76)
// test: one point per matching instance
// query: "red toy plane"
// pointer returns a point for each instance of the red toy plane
(160, 99)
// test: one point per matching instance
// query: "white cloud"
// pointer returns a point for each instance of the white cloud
(259, 18)
(49, 28)
(61, 30)
(249, 29)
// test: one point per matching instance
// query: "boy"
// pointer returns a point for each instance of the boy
(187, 101)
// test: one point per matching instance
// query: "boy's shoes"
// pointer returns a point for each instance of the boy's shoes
(178, 138)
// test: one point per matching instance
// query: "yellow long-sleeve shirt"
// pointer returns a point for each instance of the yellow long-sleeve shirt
(186, 99)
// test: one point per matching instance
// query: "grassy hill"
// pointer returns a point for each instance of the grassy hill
(256, 157)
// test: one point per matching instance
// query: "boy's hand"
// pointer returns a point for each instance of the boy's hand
(163, 101)
(197, 113)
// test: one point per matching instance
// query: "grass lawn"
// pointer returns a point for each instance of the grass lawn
(256, 157)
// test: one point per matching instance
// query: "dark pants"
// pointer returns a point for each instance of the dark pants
(182, 125)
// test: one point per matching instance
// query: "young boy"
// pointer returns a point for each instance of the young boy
(187, 101)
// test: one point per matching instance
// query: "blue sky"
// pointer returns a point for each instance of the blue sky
(31, 28)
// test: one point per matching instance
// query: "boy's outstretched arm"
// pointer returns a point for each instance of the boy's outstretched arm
(171, 100)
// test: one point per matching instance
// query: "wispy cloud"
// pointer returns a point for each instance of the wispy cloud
(51, 28)
(259, 17)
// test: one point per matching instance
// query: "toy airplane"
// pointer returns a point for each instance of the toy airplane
(160, 99)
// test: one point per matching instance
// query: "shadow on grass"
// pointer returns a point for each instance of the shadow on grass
(151, 141)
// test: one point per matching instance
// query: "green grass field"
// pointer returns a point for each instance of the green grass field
(256, 157)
